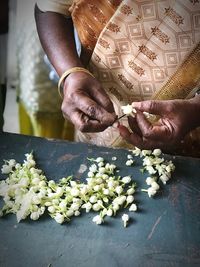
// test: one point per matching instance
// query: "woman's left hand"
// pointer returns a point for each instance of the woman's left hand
(176, 119)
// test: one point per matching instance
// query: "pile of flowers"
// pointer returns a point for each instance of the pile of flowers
(159, 169)
(28, 193)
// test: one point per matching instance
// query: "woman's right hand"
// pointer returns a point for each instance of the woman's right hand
(86, 103)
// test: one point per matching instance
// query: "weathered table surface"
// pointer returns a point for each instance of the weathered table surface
(164, 232)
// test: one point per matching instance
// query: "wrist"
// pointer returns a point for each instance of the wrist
(70, 72)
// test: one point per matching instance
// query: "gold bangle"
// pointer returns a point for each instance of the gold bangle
(67, 73)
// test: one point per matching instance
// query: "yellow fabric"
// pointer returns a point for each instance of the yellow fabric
(58, 6)
(45, 125)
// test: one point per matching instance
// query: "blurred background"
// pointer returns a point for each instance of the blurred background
(32, 103)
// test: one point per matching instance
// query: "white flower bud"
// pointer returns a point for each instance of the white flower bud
(47, 204)
(55, 201)
(146, 152)
(90, 174)
(93, 168)
(125, 219)
(64, 180)
(99, 181)
(155, 185)
(127, 109)
(131, 191)
(51, 209)
(101, 164)
(77, 213)
(102, 170)
(168, 168)
(126, 179)
(149, 180)
(116, 207)
(73, 183)
(96, 188)
(150, 170)
(100, 202)
(109, 212)
(59, 218)
(111, 184)
(129, 162)
(12, 162)
(164, 178)
(59, 191)
(6, 169)
(157, 152)
(36, 199)
(24, 182)
(148, 161)
(36, 181)
(136, 151)
(129, 199)
(99, 159)
(106, 191)
(75, 192)
(84, 190)
(93, 199)
(75, 206)
(105, 176)
(97, 219)
(42, 183)
(63, 205)
(105, 199)
(96, 207)
(119, 190)
(34, 216)
(51, 183)
(69, 213)
(133, 207)
(151, 191)
(87, 206)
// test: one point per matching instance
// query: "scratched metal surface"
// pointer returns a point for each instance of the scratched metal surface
(164, 232)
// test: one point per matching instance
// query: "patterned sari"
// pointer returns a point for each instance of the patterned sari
(141, 50)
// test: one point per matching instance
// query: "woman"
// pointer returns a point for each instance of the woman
(136, 51)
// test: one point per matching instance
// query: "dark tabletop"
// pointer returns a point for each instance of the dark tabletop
(164, 232)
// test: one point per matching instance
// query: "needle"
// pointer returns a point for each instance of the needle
(118, 118)
(121, 117)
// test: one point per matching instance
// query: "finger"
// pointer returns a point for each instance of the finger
(134, 125)
(153, 106)
(138, 141)
(85, 124)
(132, 138)
(88, 106)
(160, 132)
(101, 97)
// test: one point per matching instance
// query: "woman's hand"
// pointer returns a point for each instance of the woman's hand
(86, 103)
(176, 119)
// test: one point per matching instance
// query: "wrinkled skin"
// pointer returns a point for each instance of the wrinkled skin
(86, 103)
(176, 119)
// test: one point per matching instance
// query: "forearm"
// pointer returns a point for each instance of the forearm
(57, 38)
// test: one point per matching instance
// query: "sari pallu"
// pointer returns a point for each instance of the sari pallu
(141, 50)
